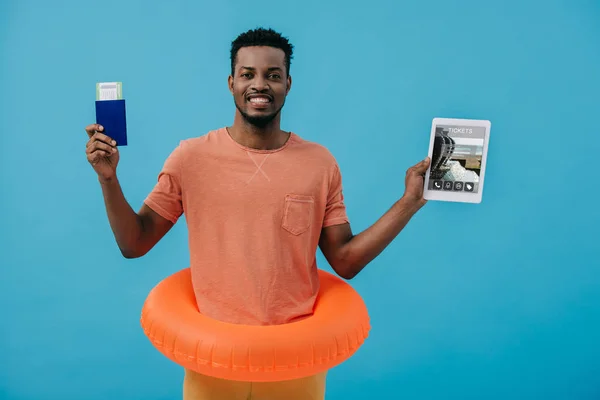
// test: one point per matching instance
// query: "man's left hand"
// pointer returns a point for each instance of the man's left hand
(414, 182)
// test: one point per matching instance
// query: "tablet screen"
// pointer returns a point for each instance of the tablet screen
(456, 158)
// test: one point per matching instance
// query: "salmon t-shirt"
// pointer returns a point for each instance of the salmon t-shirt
(254, 218)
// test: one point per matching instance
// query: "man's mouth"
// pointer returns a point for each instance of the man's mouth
(259, 100)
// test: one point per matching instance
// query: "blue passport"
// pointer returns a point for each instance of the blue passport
(111, 115)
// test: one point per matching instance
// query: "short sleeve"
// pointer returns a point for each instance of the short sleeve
(335, 209)
(166, 196)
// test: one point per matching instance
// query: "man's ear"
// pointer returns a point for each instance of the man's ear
(289, 84)
(230, 83)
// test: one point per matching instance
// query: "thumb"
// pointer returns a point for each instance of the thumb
(423, 165)
(93, 128)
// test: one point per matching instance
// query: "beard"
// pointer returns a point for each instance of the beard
(259, 121)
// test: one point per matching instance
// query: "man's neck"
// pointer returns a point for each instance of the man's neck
(269, 137)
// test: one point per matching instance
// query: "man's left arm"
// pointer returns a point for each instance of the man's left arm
(348, 254)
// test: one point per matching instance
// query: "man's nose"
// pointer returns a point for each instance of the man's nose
(260, 84)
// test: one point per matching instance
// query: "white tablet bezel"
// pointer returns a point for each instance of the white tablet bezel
(463, 197)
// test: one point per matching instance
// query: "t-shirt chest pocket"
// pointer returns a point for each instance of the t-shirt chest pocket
(297, 213)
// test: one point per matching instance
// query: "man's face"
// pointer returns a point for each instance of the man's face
(260, 83)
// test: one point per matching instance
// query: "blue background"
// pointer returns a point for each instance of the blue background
(498, 300)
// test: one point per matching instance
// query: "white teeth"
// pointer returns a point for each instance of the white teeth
(259, 100)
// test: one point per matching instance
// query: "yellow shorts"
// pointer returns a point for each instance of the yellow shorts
(202, 387)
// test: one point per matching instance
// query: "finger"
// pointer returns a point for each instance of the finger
(93, 128)
(97, 145)
(97, 155)
(421, 167)
(101, 138)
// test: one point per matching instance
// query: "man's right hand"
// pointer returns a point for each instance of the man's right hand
(102, 152)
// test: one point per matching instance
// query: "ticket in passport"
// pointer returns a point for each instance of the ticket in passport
(109, 91)
(110, 111)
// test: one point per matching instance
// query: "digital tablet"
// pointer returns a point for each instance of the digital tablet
(458, 152)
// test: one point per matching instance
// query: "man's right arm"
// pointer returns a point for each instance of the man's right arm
(135, 233)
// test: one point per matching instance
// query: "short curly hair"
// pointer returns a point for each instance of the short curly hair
(262, 37)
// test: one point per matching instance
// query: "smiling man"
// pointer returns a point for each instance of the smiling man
(258, 201)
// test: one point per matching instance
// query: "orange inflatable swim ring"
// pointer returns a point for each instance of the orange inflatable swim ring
(338, 326)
